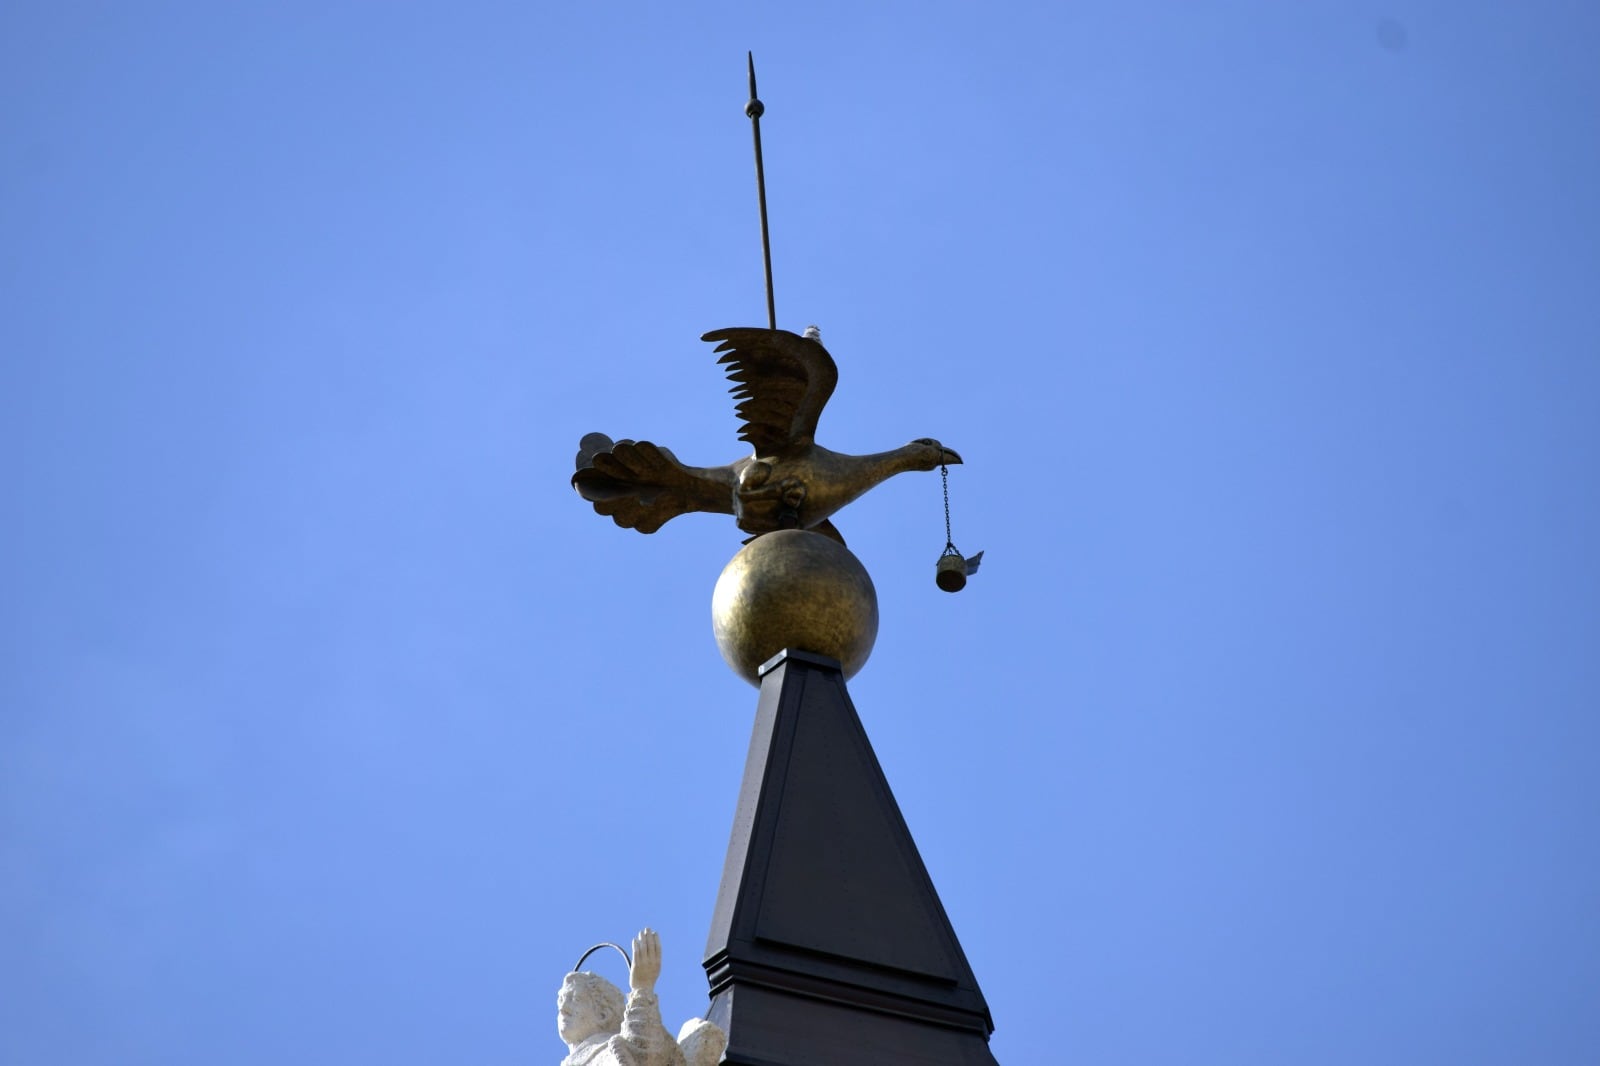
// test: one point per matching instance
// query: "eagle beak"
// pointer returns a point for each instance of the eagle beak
(948, 457)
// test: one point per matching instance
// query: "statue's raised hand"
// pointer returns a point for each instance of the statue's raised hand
(646, 966)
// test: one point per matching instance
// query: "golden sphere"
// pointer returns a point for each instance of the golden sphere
(794, 589)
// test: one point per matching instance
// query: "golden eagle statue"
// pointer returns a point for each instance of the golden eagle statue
(781, 383)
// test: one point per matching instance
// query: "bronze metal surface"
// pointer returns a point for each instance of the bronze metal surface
(781, 383)
(951, 573)
(794, 589)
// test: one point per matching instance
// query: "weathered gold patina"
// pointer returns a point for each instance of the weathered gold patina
(781, 382)
(794, 589)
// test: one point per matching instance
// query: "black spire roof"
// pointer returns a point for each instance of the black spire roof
(829, 946)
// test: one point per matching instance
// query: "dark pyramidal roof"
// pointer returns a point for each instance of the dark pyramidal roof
(829, 946)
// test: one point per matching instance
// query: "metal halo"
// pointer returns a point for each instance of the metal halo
(603, 944)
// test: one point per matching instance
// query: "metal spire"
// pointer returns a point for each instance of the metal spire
(754, 110)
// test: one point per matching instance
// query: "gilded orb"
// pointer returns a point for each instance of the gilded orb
(794, 589)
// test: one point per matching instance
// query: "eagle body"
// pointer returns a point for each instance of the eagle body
(781, 383)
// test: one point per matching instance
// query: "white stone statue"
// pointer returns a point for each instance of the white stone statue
(602, 1029)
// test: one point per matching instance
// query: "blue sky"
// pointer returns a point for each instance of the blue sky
(334, 726)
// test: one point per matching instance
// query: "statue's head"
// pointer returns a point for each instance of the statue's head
(929, 454)
(702, 1042)
(587, 1004)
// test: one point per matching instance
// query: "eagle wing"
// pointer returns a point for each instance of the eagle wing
(642, 486)
(781, 382)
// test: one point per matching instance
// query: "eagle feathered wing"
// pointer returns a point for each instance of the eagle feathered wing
(781, 383)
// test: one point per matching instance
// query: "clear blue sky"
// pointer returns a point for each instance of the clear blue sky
(334, 726)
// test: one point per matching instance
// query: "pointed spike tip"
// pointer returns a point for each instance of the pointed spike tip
(755, 108)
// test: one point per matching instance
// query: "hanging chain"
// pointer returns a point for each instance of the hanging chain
(949, 544)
